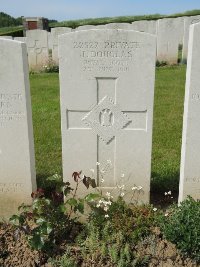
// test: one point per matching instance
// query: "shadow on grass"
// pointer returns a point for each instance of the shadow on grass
(161, 184)
(47, 185)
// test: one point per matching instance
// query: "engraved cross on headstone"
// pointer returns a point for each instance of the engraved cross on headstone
(108, 121)
(36, 49)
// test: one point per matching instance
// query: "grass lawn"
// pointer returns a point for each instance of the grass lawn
(168, 112)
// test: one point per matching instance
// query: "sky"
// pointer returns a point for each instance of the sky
(78, 9)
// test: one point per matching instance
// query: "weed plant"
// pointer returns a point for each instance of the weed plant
(182, 228)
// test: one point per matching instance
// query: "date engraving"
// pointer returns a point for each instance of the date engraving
(11, 187)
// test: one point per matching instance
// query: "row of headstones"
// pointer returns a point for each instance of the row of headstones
(106, 114)
(170, 32)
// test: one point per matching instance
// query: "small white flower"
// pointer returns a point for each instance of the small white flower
(106, 216)
(171, 197)
(108, 161)
(105, 208)
(92, 170)
(165, 193)
(139, 188)
(122, 194)
(97, 163)
(109, 202)
(98, 205)
(122, 187)
(166, 214)
(122, 175)
(102, 171)
(134, 188)
(154, 209)
(100, 201)
(169, 193)
(108, 194)
(102, 180)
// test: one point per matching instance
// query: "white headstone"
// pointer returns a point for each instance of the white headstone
(21, 39)
(50, 43)
(107, 105)
(37, 45)
(187, 22)
(55, 32)
(121, 26)
(17, 168)
(148, 26)
(6, 37)
(169, 36)
(85, 27)
(190, 154)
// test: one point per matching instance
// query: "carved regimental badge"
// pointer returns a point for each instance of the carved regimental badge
(106, 119)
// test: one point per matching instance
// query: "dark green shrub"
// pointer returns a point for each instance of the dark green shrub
(50, 219)
(182, 227)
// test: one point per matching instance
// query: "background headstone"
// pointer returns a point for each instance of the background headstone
(17, 167)
(187, 22)
(85, 27)
(148, 26)
(55, 32)
(121, 26)
(21, 39)
(190, 154)
(169, 36)
(107, 106)
(50, 43)
(37, 45)
(6, 37)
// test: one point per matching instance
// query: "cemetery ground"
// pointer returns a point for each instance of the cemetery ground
(131, 235)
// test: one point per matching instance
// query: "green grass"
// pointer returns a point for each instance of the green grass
(167, 130)
(46, 124)
(13, 30)
(121, 19)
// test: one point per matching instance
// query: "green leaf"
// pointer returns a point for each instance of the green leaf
(91, 197)
(72, 201)
(67, 190)
(37, 242)
(14, 220)
(49, 228)
(40, 220)
(62, 208)
(80, 206)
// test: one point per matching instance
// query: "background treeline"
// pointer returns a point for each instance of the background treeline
(7, 21)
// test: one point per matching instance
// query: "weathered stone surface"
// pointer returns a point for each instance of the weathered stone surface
(85, 27)
(37, 45)
(50, 41)
(107, 106)
(121, 26)
(187, 22)
(6, 37)
(17, 171)
(55, 32)
(21, 39)
(148, 26)
(190, 154)
(169, 36)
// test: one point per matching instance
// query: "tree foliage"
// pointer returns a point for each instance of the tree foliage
(6, 20)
